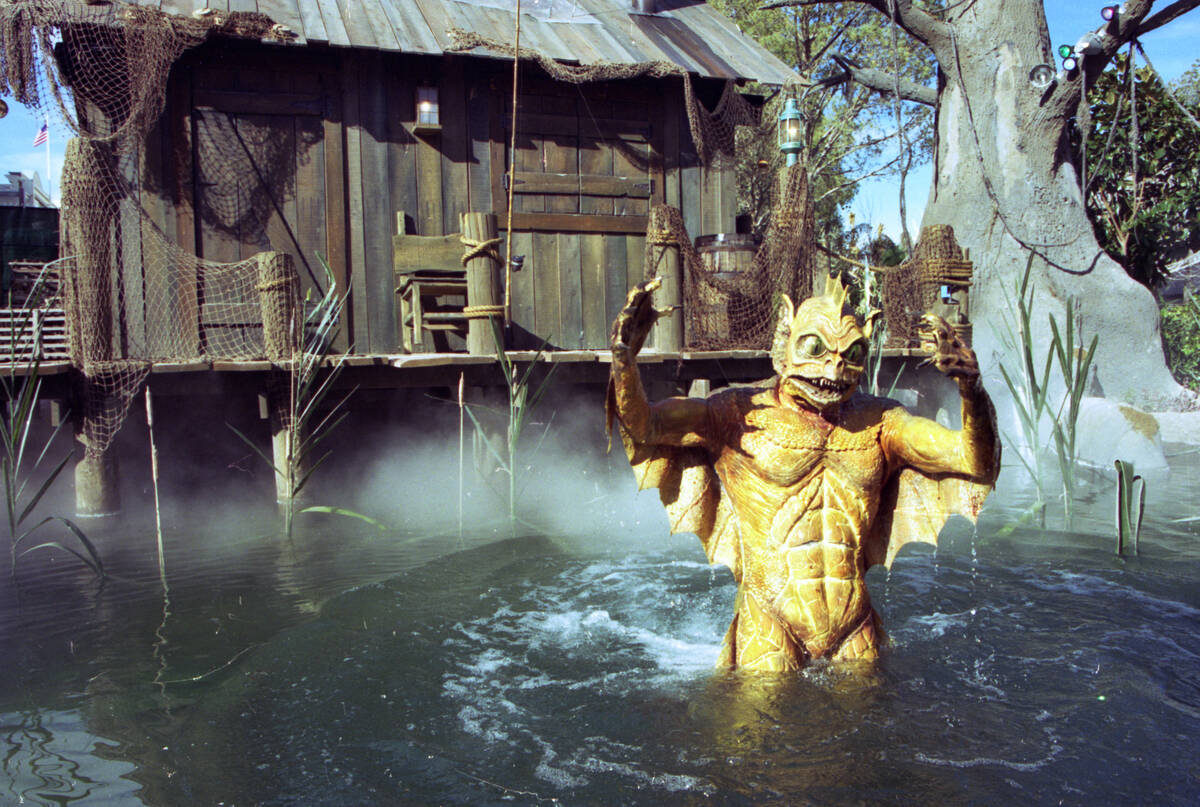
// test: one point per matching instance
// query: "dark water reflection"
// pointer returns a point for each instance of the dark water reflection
(355, 669)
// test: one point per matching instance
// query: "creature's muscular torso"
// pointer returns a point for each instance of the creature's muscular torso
(805, 491)
(804, 463)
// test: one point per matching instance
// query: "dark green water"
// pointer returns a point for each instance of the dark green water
(351, 668)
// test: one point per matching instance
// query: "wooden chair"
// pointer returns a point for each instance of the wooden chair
(432, 287)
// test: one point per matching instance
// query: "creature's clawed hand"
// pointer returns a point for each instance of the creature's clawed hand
(638, 316)
(950, 355)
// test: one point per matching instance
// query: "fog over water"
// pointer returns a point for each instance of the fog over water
(574, 662)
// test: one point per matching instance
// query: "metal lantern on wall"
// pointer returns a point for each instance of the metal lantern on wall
(789, 131)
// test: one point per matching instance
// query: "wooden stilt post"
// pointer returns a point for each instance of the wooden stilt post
(283, 328)
(668, 332)
(484, 304)
(96, 485)
(88, 169)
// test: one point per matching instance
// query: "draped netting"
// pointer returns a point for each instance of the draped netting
(712, 132)
(726, 310)
(722, 309)
(132, 295)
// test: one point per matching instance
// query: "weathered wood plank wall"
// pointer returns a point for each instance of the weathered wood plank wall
(326, 152)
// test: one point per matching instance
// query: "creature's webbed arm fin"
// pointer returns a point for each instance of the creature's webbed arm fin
(663, 441)
(915, 507)
(690, 491)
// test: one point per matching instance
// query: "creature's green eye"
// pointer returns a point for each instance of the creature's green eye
(855, 353)
(810, 346)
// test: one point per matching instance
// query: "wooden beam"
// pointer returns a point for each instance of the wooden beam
(586, 184)
(579, 223)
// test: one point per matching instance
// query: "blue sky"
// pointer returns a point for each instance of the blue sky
(1172, 49)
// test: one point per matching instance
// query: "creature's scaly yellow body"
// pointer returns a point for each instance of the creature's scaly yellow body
(809, 473)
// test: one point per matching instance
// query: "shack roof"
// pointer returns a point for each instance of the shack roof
(688, 33)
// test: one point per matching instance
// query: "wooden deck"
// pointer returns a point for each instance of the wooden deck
(409, 370)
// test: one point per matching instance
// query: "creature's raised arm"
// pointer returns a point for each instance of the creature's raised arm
(668, 443)
(943, 472)
(973, 452)
(674, 421)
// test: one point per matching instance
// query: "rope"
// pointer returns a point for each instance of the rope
(483, 311)
(1135, 136)
(662, 238)
(271, 285)
(512, 168)
(480, 249)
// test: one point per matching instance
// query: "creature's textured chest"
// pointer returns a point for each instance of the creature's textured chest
(786, 449)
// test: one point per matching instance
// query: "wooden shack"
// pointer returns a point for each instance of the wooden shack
(322, 138)
(216, 135)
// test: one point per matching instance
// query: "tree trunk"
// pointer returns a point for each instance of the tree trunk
(1004, 179)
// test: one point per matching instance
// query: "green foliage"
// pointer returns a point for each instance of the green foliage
(523, 398)
(1074, 365)
(836, 113)
(1030, 386)
(1181, 340)
(1146, 211)
(23, 459)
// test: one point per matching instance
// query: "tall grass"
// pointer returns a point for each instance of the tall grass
(311, 376)
(1129, 525)
(25, 458)
(523, 398)
(1074, 365)
(1030, 386)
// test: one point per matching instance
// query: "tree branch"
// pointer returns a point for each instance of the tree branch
(918, 23)
(1166, 15)
(883, 82)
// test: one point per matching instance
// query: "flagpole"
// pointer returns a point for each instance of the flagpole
(49, 183)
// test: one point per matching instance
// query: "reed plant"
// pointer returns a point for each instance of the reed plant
(1074, 366)
(311, 376)
(1130, 486)
(26, 458)
(523, 398)
(1030, 386)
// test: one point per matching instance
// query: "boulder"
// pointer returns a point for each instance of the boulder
(1109, 431)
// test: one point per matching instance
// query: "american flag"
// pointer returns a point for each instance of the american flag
(43, 135)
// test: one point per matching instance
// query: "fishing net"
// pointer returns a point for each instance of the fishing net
(725, 306)
(913, 287)
(726, 309)
(132, 295)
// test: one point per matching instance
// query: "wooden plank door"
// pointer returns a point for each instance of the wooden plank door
(587, 168)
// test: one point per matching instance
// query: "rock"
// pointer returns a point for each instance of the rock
(1179, 427)
(1109, 431)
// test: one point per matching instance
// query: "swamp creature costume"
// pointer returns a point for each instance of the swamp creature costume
(800, 483)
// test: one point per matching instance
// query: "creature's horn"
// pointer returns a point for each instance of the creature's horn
(869, 325)
(836, 288)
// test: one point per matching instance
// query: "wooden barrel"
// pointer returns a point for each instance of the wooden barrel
(719, 312)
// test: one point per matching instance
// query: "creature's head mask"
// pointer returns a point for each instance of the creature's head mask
(820, 348)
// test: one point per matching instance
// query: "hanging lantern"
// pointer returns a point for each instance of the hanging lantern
(1071, 64)
(789, 131)
(1065, 51)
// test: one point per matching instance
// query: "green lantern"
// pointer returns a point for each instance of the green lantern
(789, 131)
